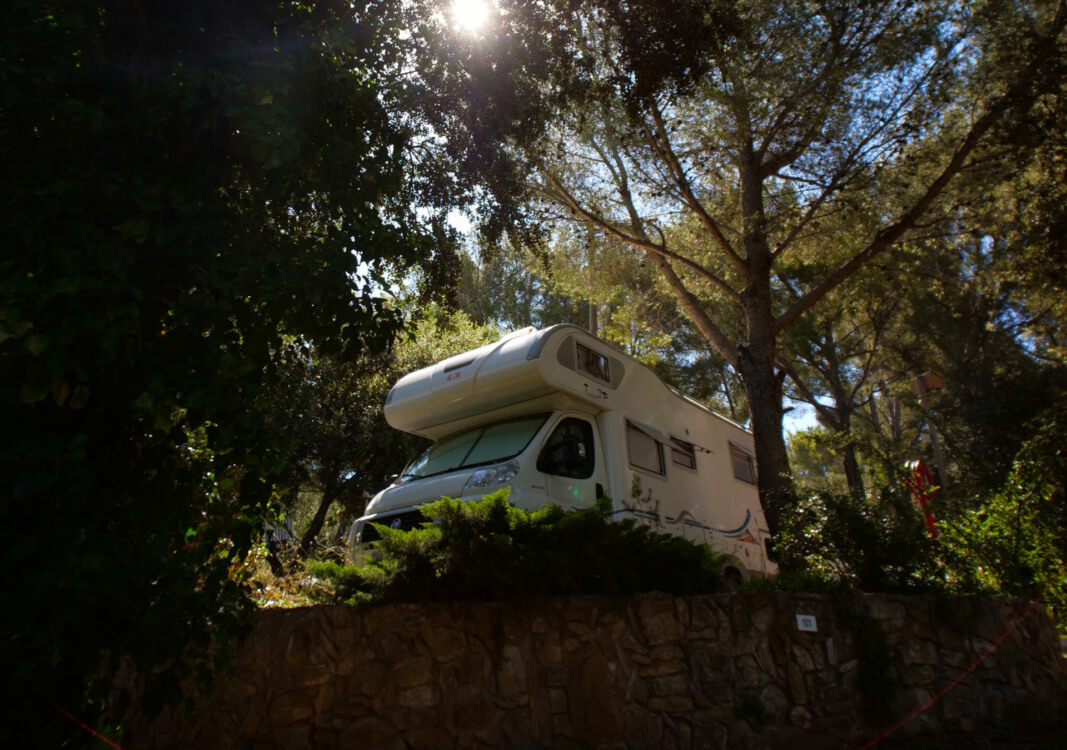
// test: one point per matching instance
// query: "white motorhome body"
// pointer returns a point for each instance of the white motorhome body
(561, 416)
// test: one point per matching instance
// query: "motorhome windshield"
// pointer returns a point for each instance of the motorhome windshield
(487, 444)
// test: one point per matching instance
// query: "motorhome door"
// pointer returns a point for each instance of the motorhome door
(572, 461)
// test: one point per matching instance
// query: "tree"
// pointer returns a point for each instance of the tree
(329, 413)
(187, 188)
(506, 286)
(728, 157)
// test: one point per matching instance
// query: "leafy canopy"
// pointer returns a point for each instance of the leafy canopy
(188, 188)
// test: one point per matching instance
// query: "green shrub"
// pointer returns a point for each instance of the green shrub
(1009, 540)
(1016, 540)
(489, 550)
(873, 544)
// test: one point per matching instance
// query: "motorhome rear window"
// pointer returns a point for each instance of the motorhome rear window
(593, 364)
(645, 451)
(487, 444)
(744, 466)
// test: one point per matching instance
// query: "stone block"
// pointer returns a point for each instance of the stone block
(371, 732)
(475, 712)
(556, 676)
(293, 707)
(657, 619)
(592, 704)
(549, 651)
(511, 679)
(802, 657)
(642, 728)
(800, 717)
(663, 668)
(421, 696)
(797, 689)
(708, 662)
(917, 652)
(884, 610)
(749, 679)
(561, 726)
(428, 738)
(637, 690)
(472, 668)
(290, 738)
(670, 685)
(577, 628)
(775, 704)
(704, 614)
(762, 618)
(790, 737)
(444, 644)
(411, 672)
(922, 675)
(674, 704)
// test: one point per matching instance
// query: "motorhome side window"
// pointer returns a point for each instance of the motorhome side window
(683, 453)
(744, 467)
(645, 451)
(593, 364)
(569, 450)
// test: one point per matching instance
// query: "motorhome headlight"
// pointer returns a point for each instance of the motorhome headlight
(493, 475)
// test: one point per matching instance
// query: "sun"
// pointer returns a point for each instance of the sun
(470, 14)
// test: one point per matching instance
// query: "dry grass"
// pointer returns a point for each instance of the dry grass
(293, 589)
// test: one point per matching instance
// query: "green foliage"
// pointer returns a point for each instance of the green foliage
(807, 580)
(875, 544)
(489, 550)
(1017, 539)
(188, 189)
(1010, 541)
(328, 411)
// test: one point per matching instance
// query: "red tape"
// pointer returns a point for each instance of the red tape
(85, 726)
(956, 681)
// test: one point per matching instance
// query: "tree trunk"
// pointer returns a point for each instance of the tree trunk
(843, 411)
(763, 386)
(329, 494)
(757, 358)
(853, 475)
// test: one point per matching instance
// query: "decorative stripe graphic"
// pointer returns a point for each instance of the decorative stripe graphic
(740, 534)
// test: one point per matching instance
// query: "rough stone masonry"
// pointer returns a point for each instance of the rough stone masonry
(649, 671)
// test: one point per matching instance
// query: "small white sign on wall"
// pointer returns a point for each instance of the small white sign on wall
(806, 623)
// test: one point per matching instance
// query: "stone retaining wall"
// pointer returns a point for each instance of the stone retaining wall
(650, 671)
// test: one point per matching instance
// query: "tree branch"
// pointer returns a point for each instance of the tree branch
(661, 143)
(560, 195)
(824, 411)
(711, 332)
(1019, 94)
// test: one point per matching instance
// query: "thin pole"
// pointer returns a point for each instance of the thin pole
(939, 457)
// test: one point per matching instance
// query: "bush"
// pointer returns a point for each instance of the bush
(874, 544)
(490, 550)
(1010, 540)
(1017, 540)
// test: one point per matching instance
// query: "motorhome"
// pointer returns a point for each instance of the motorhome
(559, 415)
